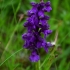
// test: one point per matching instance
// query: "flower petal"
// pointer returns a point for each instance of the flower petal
(41, 14)
(34, 57)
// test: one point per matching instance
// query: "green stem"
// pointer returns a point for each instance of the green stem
(37, 65)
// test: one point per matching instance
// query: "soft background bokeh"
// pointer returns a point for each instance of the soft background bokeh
(12, 54)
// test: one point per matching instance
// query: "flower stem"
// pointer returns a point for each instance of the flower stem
(37, 65)
(41, 0)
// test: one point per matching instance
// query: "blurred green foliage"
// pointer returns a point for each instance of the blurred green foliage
(12, 54)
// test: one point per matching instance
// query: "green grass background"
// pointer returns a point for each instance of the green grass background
(12, 54)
